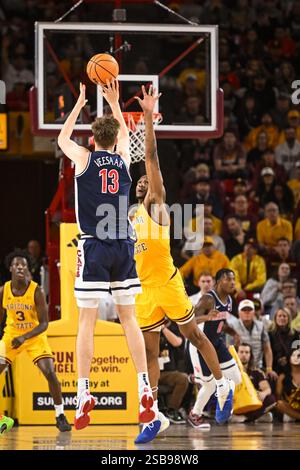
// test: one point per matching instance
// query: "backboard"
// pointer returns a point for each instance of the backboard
(181, 61)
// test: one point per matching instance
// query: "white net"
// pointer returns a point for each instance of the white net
(136, 126)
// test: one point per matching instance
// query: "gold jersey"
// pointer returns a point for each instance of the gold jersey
(21, 310)
(154, 262)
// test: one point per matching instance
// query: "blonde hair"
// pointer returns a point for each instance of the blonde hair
(274, 327)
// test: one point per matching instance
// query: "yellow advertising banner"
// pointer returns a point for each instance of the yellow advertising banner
(112, 381)
(3, 131)
(6, 392)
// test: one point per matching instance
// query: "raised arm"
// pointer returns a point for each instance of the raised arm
(156, 190)
(78, 154)
(111, 94)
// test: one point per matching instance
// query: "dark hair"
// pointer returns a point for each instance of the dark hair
(288, 379)
(17, 254)
(105, 131)
(251, 360)
(268, 150)
(290, 280)
(223, 272)
(284, 239)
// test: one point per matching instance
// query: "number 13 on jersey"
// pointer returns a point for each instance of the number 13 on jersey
(109, 181)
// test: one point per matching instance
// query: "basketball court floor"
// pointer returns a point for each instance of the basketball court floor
(178, 437)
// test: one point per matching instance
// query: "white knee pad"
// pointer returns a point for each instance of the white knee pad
(124, 299)
(234, 374)
(87, 303)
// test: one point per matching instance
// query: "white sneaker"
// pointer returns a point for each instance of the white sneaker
(288, 419)
(86, 403)
(237, 419)
(165, 422)
(266, 418)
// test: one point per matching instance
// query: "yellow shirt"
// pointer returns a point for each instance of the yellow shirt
(272, 133)
(257, 274)
(199, 74)
(268, 234)
(154, 262)
(200, 263)
(297, 230)
(295, 187)
(295, 324)
(21, 311)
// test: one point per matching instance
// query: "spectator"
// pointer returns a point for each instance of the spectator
(294, 184)
(249, 269)
(191, 249)
(170, 343)
(266, 126)
(241, 211)
(288, 289)
(261, 385)
(282, 254)
(280, 112)
(202, 194)
(17, 72)
(209, 260)
(197, 70)
(247, 115)
(292, 304)
(268, 160)
(36, 261)
(273, 227)
(236, 241)
(261, 145)
(205, 283)
(263, 94)
(288, 389)
(209, 232)
(192, 110)
(252, 332)
(284, 198)
(294, 122)
(266, 183)
(229, 157)
(195, 222)
(282, 337)
(288, 153)
(273, 286)
(240, 188)
(260, 313)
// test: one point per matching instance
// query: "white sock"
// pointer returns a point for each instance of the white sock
(203, 397)
(83, 384)
(59, 410)
(222, 382)
(155, 408)
(143, 381)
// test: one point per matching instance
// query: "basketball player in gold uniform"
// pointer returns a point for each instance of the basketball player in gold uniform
(25, 329)
(163, 290)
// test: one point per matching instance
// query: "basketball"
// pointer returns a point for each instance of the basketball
(102, 67)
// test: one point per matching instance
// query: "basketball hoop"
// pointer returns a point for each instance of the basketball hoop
(136, 125)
